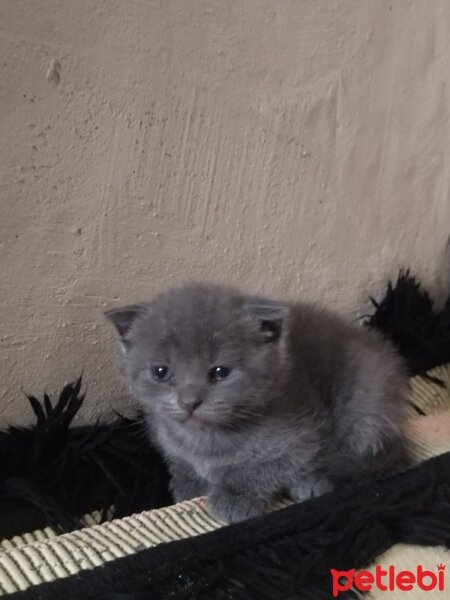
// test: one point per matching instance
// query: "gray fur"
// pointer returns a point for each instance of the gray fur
(311, 400)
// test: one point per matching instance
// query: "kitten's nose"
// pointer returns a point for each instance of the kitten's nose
(189, 398)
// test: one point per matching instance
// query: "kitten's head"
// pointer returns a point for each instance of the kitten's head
(203, 355)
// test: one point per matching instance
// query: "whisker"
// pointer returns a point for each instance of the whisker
(246, 412)
(136, 425)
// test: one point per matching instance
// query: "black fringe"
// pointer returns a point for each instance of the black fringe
(285, 555)
(407, 317)
(51, 474)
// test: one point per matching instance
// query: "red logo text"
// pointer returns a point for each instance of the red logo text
(388, 580)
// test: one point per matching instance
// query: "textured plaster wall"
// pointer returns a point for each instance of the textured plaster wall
(292, 147)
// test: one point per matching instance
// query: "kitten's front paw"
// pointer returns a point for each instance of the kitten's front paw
(188, 490)
(233, 508)
(309, 487)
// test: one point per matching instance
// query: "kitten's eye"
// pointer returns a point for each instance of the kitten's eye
(161, 372)
(219, 373)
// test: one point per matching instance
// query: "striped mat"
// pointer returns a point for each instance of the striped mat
(43, 556)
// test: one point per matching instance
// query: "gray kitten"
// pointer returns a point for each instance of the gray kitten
(250, 398)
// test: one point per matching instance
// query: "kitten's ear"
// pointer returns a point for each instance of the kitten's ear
(123, 318)
(270, 314)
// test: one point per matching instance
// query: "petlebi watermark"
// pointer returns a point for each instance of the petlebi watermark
(388, 579)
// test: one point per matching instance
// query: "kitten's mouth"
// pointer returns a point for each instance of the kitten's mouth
(194, 419)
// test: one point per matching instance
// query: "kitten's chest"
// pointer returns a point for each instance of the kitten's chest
(215, 456)
(207, 465)
(212, 473)
(211, 455)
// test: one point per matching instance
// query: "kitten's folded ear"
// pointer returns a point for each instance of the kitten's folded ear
(270, 314)
(123, 318)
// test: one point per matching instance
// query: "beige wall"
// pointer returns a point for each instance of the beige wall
(293, 147)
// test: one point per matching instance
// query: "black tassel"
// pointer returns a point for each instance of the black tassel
(406, 316)
(52, 474)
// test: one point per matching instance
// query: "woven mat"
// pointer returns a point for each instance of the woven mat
(42, 556)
